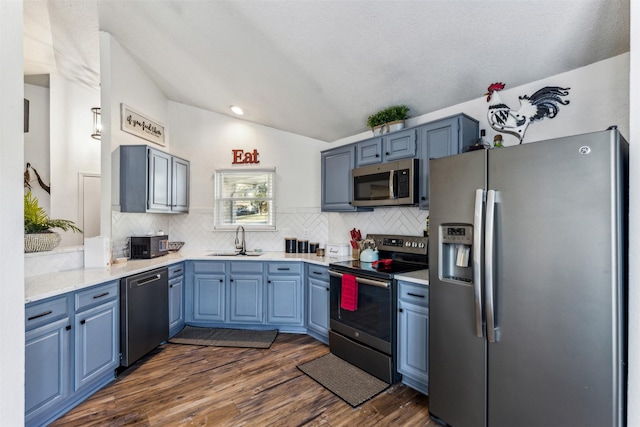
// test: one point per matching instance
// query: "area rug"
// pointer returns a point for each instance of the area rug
(351, 384)
(223, 337)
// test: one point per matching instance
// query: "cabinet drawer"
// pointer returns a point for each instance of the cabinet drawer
(413, 293)
(284, 268)
(209, 267)
(176, 270)
(45, 312)
(318, 272)
(246, 267)
(97, 295)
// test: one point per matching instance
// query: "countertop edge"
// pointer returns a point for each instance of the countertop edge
(44, 286)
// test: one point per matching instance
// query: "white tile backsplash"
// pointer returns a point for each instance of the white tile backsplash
(196, 229)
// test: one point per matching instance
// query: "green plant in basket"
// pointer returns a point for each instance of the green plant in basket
(388, 115)
(36, 219)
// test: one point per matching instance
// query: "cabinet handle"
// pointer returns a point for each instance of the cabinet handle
(318, 273)
(178, 271)
(100, 295)
(415, 295)
(170, 286)
(327, 289)
(223, 280)
(83, 321)
(423, 198)
(68, 328)
(231, 280)
(283, 269)
(386, 154)
(268, 281)
(399, 310)
(46, 313)
(378, 155)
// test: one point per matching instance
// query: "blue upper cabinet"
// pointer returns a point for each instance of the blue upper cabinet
(336, 165)
(150, 180)
(393, 146)
(442, 138)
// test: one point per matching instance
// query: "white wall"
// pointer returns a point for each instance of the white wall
(72, 150)
(11, 218)
(634, 215)
(36, 141)
(207, 140)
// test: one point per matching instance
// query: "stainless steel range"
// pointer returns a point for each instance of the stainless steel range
(365, 333)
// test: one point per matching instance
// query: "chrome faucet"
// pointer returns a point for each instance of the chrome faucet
(242, 245)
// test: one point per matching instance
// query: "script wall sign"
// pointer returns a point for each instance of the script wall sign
(141, 126)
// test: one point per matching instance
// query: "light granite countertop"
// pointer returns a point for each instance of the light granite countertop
(52, 284)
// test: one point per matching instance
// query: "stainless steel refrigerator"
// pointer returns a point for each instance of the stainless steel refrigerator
(528, 279)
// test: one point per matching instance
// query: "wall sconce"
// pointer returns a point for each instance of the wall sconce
(97, 123)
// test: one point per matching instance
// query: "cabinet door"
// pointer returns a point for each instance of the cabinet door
(438, 139)
(399, 145)
(336, 179)
(413, 341)
(318, 309)
(284, 300)
(96, 342)
(159, 181)
(246, 299)
(180, 185)
(209, 297)
(47, 367)
(176, 306)
(369, 152)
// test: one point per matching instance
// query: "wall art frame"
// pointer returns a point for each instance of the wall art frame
(141, 126)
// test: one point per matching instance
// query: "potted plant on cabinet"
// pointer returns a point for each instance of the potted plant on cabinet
(391, 119)
(38, 236)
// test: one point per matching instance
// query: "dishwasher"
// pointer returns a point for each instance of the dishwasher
(144, 314)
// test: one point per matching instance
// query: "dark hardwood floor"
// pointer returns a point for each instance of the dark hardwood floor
(183, 385)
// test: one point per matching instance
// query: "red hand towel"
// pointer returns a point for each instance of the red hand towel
(349, 300)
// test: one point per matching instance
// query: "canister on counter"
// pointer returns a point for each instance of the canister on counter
(303, 246)
(313, 247)
(290, 245)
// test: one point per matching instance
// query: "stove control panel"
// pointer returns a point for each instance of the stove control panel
(396, 243)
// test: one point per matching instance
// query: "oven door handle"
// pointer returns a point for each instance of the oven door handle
(364, 281)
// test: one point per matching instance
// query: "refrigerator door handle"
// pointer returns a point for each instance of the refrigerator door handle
(477, 260)
(488, 266)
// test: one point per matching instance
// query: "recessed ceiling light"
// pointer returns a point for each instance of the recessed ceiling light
(237, 110)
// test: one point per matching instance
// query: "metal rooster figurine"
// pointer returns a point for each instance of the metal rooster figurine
(544, 103)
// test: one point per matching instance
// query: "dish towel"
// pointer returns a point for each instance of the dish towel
(349, 300)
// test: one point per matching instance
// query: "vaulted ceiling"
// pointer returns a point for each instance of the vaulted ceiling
(319, 68)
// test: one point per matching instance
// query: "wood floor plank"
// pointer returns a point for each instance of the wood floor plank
(183, 385)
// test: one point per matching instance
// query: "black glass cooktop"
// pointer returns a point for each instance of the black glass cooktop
(388, 268)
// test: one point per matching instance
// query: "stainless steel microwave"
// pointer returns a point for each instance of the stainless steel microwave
(386, 184)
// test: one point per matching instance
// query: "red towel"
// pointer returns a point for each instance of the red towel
(349, 300)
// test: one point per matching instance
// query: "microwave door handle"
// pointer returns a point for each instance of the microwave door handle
(392, 179)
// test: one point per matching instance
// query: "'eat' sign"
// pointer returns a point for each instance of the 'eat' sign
(240, 157)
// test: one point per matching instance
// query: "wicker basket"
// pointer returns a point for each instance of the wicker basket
(175, 246)
(40, 242)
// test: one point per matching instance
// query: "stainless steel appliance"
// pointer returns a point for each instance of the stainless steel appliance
(527, 298)
(386, 184)
(144, 247)
(366, 336)
(144, 314)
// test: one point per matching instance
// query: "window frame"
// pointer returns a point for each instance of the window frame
(219, 201)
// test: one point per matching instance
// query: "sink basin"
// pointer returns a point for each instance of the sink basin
(235, 254)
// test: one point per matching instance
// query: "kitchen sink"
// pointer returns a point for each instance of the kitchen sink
(235, 254)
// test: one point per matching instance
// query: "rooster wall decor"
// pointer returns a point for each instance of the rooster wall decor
(544, 103)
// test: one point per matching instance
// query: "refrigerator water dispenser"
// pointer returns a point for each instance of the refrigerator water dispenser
(456, 241)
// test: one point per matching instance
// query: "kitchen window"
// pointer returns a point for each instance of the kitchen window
(245, 197)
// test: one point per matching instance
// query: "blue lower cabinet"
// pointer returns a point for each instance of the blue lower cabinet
(71, 350)
(285, 294)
